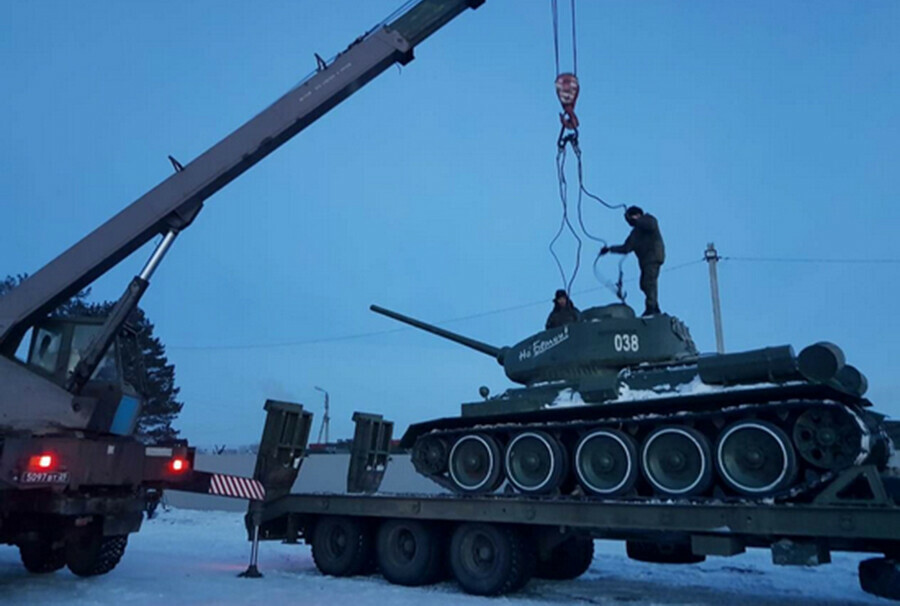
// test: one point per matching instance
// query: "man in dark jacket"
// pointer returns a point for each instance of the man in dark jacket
(564, 311)
(646, 242)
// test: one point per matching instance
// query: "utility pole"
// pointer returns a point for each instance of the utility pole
(712, 257)
(325, 420)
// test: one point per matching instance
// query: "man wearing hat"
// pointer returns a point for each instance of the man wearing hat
(645, 241)
(564, 312)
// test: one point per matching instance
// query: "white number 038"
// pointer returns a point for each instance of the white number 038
(626, 342)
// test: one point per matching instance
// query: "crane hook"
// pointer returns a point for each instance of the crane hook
(567, 90)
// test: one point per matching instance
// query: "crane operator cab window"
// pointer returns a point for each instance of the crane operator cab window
(82, 337)
(45, 355)
(58, 345)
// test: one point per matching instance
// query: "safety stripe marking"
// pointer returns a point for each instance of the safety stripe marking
(235, 486)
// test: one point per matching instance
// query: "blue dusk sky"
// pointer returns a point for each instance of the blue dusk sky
(771, 128)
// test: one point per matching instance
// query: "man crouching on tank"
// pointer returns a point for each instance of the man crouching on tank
(645, 241)
(564, 311)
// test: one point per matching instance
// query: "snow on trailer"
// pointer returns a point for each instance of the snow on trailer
(495, 544)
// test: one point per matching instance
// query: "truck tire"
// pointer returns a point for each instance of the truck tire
(409, 552)
(662, 552)
(42, 556)
(879, 576)
(342, 546)
(491, 559)
(91, 554)
(567, 561)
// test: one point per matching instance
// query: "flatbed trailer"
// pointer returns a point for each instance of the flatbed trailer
(494, 544)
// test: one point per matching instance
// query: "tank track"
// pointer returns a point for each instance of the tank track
(869, 444)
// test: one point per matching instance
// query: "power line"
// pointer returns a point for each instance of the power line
(378, 333)
(809, 260)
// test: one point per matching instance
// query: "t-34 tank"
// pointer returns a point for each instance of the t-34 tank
(617, 406)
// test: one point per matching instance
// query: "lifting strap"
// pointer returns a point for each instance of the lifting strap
(567, 89)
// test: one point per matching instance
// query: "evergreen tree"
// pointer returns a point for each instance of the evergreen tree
(150, 373)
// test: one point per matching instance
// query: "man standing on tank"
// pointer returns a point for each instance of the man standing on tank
(564, 311)
(645, 241)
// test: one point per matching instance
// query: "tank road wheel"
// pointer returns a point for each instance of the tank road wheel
(567, 561)
(90, 553)
(676, 461)
(341, 546)
(828, 438)
(535, 462)
(42, 555)
(606, 462)
(756, 458)
(409, 552)
(429, 455)
(880, 576)
(475, 464)
(489, 559)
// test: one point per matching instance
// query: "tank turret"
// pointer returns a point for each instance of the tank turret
(608, 339)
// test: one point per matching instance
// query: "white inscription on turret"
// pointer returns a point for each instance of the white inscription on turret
(542, 345)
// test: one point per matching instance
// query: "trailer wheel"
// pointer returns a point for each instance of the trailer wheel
(341, 546)
(567, 561)
(90, 553)
(490, 559)
(879, 576)
(42, 555)
(662, 552)
(409, 552)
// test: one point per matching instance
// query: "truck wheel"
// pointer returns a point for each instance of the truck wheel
(662, 552)
(42, 556)
(90, 553)
(567, 561)
(879, 576)
(409, 552)
(490, 559)
(341, 546)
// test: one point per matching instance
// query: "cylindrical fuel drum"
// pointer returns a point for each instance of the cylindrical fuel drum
(821, 362)
(852, 380)
(768, 364)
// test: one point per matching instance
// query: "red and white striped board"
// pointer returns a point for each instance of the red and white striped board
(236, 486)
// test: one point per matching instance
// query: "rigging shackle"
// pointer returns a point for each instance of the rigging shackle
(567, 90)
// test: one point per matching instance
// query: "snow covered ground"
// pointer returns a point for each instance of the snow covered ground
(193, 557)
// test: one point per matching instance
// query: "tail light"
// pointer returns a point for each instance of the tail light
(42, 462)
(179, 465)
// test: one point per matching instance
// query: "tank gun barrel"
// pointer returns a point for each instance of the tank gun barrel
(470, 343)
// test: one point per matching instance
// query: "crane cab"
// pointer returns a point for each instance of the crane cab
(58, 344)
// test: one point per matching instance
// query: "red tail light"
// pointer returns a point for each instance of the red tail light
(42, 462)
(178, 465)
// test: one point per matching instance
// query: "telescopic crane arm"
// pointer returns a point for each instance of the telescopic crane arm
(172, 205)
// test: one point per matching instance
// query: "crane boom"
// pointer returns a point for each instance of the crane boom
(173, 204)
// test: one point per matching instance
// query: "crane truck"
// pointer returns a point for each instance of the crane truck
(74, 479)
